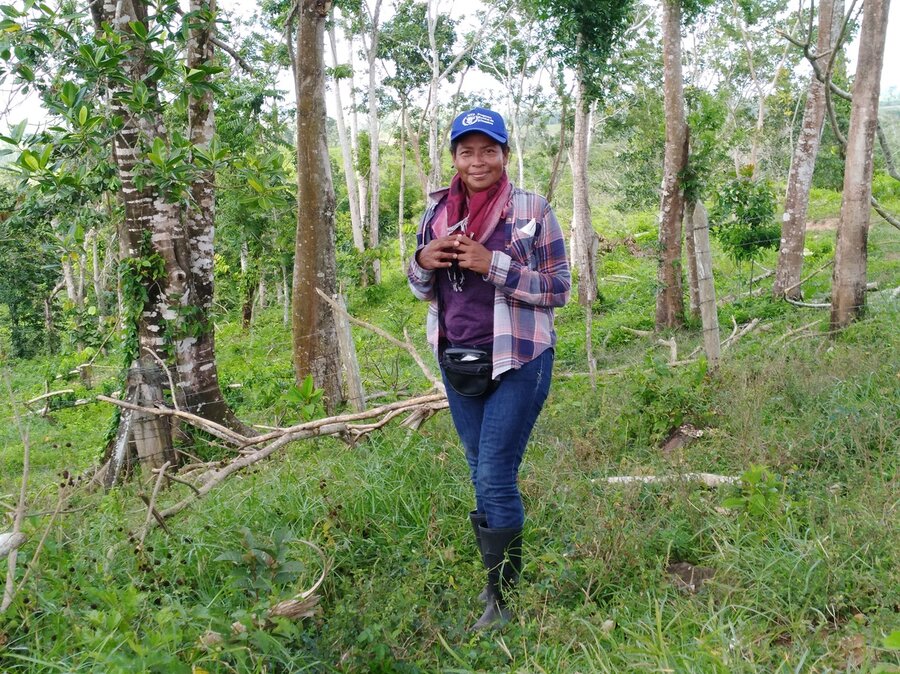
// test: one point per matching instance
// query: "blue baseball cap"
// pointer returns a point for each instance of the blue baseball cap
(482, 120)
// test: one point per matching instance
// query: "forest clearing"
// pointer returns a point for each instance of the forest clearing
(225, 444)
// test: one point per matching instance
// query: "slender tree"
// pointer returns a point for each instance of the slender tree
(803, 162)
(313, 324)
(670, 296)
(848, 294)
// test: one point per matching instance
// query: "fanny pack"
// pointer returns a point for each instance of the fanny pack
(468, 370)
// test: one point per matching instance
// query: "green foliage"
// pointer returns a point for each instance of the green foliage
(663, 399)
(586, 34)
(743, 217)
(760, 496)
(306, 399)
(263, 567)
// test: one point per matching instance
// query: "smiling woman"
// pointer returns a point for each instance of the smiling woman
(491, 260)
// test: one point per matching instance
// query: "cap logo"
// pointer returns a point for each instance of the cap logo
(476, 117)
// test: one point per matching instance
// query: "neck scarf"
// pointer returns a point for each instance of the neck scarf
(475, 214)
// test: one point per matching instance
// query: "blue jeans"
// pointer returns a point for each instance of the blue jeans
(494, 429)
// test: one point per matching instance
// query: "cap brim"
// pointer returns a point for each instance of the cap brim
(503, 140)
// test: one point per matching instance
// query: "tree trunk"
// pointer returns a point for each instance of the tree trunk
(69, 278)
(803, 163)
(585, 237)
(670, 299)
(706, 288)
(198, 377)
(401, 200)
(176, 308)
(848, 294)
(435, 175)
(347, 156)
(362, 183)
(374, 144)
(261, 298)
(95, 274)
(693, 280)
(315, 342)
(557, 160)
(286, 295)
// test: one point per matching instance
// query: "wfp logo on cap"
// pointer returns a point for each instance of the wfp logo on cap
(475, 118)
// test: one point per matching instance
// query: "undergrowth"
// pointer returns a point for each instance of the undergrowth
(804, 551)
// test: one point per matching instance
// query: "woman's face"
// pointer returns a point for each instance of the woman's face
(479, 160)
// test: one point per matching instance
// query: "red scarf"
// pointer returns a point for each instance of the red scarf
(483, 209)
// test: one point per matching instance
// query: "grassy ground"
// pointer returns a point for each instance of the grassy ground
(804, 556)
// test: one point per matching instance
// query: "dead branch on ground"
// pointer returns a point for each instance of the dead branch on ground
(711, 480)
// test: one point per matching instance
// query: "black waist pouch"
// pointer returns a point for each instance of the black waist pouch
(468, 370)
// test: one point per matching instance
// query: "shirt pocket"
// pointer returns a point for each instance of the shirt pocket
(522, 243)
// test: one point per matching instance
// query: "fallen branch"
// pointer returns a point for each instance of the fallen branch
(221, 432)
(808, 305)
(711, 480)
(11, 541)
(217, 472)
(735, 335)
(639, 333)
(318, 424)
(796, 330)
(51, 394)
(673, 348)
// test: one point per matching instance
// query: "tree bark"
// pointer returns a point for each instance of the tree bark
(374, 143)
(177, 305)
(347, 156)
(315, 342)
(691, 253)
(803, 163)
(706, 289)
(585, 237)
(195, 356)
(848, 294)
(401, 200)
(670, 299)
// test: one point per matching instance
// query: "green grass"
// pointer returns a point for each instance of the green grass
(808, 581)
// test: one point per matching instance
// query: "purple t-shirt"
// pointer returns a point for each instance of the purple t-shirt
(468, 314)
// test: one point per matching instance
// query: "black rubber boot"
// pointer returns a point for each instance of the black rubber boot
(502, 554)
(478, 519)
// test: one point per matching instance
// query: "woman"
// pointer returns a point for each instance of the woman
(491, 260)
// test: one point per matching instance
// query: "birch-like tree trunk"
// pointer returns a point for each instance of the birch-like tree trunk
(848, 293)
(71, 283)
(670, 297)
(584, 235)
(362, 181)
(374, 141)
(315, 341)
(177, 306)
(198, 377)
(96, 278)
(803, 163)
(401, 200)
(356, 226)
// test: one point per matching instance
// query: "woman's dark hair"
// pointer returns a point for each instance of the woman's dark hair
(504, 147)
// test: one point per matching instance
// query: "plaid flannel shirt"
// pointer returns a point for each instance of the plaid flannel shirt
(530, 276)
